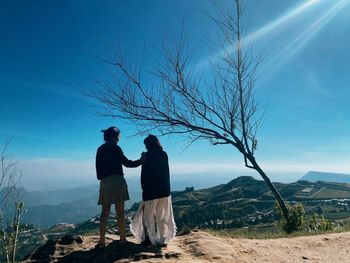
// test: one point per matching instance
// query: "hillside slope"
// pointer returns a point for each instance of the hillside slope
(246, 201)
(198, 246)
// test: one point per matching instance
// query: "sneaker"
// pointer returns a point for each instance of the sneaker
(163, 245)
(123, 241)
(146, 242)
(100, 245)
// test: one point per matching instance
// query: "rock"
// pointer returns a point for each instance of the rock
(70, 239)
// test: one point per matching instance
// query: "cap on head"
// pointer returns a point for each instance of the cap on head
(110, 133)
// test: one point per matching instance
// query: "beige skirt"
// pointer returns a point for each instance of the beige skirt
(113, 189)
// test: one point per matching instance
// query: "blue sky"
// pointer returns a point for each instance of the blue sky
(45, 58)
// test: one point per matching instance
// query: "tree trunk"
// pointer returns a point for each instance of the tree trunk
(16, 228)
(273, 189)
(4, 239)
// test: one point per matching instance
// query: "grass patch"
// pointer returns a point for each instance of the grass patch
(331, 193)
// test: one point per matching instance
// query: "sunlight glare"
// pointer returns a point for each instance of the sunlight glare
(263, 31)
(305, 36)
(278, 22)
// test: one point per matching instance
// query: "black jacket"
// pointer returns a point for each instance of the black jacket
(155, 177)
(109, 160)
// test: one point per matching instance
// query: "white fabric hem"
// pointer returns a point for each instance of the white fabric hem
(157, 219)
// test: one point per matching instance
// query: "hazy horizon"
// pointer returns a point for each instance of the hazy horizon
(178, 181)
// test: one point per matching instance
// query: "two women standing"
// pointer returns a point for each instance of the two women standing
(155, 217)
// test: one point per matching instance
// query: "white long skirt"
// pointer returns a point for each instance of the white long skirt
(156, 218)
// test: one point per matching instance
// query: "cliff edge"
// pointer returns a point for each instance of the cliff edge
(199, 246)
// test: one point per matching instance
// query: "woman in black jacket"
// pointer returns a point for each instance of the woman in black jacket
(113, 188)
(154, 220)
(155, 178)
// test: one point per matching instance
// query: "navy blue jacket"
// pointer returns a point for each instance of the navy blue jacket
(155, 177)
(109, 160)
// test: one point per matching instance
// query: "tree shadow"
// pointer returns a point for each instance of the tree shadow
(115, 251)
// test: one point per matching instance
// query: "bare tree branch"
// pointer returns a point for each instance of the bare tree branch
(220, 108)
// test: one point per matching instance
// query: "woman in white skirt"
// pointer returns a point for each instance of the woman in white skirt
(154, 221)
(113, 188)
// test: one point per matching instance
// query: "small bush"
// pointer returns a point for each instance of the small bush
(317, 224)
(295, 220)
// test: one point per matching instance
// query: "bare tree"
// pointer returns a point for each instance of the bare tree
(220, 108)
(9, 179)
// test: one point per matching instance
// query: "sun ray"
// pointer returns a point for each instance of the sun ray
(278, 22)
(263, 31)
(303, 38)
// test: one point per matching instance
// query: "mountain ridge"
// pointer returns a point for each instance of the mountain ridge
(314, 176)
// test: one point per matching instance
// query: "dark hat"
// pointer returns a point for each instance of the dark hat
(110, 132)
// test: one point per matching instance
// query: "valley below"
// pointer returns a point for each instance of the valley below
(222, 222)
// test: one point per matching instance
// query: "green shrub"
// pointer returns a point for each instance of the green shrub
(295, 219)
(317, 223)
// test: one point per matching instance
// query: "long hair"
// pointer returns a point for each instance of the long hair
(152, 144)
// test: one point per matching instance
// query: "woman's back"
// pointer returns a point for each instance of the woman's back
(155, 177)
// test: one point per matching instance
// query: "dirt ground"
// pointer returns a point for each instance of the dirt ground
(200, 246)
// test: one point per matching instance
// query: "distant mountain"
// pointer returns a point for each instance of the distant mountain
(37, 198)
(314, 176)
(47, 208)
(70, 212)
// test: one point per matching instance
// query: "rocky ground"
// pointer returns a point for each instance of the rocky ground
(198, 246)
